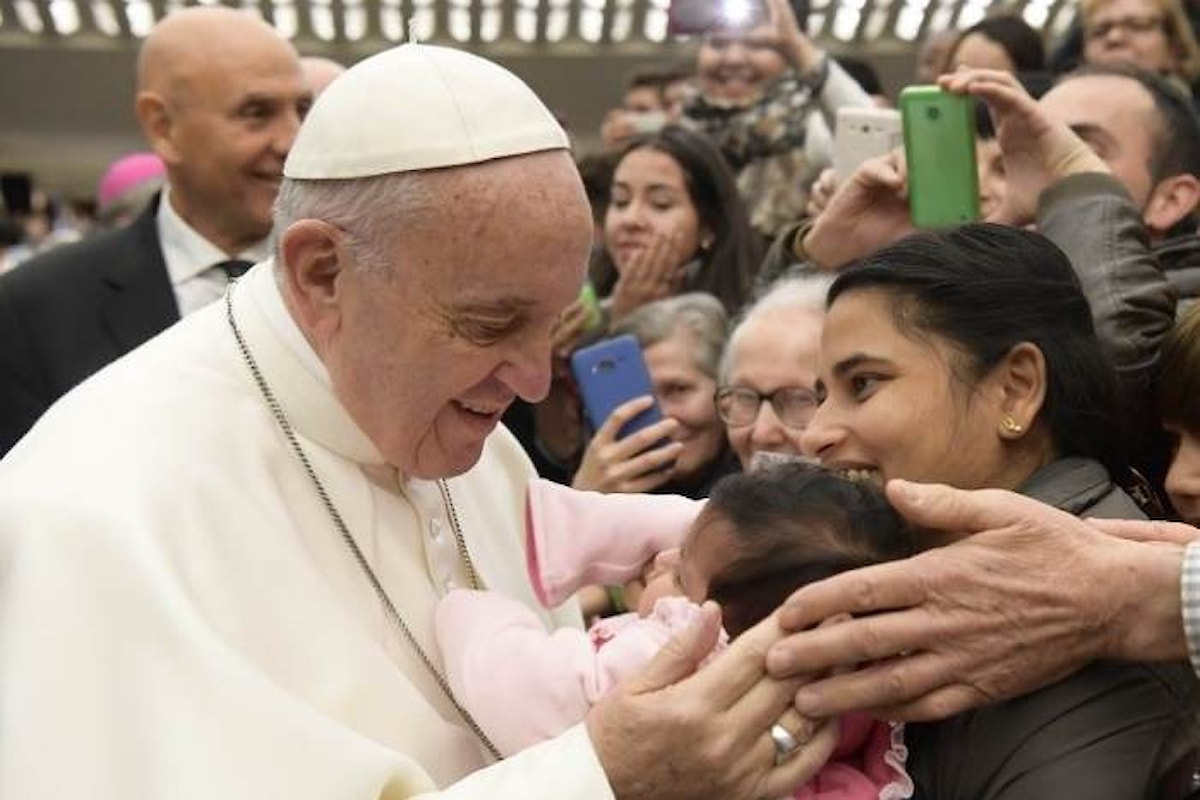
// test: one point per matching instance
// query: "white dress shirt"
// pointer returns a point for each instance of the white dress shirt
(190, 259)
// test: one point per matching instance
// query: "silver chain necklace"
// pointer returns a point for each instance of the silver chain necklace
(359, 558)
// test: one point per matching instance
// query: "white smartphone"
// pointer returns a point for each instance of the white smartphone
(864, 133)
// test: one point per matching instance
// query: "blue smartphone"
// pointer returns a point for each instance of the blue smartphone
(610, 373)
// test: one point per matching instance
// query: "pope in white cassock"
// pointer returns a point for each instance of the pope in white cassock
(219, 556)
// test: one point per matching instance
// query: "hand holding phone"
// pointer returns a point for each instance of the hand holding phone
(639, 462)
(1037, 150)
(691, 17)
(862, 134)
(939, 149)
(632, 438)
(610, 373)
(867, 212)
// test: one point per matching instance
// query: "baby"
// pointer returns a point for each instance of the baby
(760, 536)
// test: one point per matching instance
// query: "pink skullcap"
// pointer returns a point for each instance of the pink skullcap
(127, 172)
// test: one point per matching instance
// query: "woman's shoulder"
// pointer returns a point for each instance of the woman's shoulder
(1096, 734)
(1083, 487)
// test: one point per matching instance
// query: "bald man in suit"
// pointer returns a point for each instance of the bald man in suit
(220, 98)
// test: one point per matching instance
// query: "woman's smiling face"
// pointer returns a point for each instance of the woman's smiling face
(896, 404)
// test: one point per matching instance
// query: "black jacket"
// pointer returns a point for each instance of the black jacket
(71, 311)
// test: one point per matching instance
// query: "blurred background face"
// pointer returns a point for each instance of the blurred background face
(734, 67)
(772, 351)
(685, 393)
(642, 99)
(1131, 32)
(1183, 478)
(976, 50)
(649, 198)
(992, 177)
(932, 55)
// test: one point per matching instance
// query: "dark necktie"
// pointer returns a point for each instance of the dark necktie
(234, 268)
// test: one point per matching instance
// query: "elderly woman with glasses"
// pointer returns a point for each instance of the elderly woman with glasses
(769, 371)
(1153, 35)
(682, 338)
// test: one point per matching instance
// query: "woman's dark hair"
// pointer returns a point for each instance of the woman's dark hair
(597, 171)
(1179, 372)
(728, 267)
(1022, 43)
(793, 524)
(986, 288)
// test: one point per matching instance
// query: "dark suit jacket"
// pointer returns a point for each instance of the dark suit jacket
(68, 312)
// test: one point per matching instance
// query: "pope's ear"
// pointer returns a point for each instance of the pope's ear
(313, 257)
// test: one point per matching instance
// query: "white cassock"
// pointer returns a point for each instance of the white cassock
(179, 617)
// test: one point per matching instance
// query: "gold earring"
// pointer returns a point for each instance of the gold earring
(1011, 426)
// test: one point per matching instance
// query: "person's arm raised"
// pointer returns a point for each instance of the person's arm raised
(1057, 180)
(867, 212)
(635, 463)
(1030, 597)
(1037, 150)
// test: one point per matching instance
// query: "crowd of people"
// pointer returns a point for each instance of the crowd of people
(920, 518)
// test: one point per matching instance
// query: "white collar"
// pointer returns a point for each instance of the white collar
(293, 370)
(186, 252)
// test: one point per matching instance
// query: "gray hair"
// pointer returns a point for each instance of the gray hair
(368, 210)
(699, 313)
(800, 294)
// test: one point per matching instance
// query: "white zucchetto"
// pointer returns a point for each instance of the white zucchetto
(418, 107)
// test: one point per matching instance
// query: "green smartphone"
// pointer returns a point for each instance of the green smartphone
(939, 149)
(593, 317)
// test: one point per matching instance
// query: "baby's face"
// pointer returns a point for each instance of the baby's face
(687, 570)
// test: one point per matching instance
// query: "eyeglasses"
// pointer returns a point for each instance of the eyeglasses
(1135, 23)
(738, 406)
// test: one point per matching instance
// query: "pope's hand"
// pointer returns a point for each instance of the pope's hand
(669, 734)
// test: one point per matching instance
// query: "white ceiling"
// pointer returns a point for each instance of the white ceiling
(543, 24)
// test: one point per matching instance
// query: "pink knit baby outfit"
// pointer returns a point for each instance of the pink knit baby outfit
(524, 684)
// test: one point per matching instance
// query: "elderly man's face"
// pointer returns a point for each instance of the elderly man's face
(233, 126)
(428, 358)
